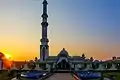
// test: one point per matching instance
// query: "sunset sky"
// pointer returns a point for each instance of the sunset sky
(81, 26)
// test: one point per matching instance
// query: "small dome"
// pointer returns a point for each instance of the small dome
(63, 52)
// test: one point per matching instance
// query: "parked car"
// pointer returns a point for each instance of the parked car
(88, 75)
(33, 74)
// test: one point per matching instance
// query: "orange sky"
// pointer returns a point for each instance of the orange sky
(29, 51)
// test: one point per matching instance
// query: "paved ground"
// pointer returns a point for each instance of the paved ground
(61, 76)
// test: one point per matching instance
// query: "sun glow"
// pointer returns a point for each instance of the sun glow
(8, 56)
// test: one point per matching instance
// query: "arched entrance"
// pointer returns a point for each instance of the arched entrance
(63, 65)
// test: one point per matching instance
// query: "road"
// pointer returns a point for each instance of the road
(61, 76)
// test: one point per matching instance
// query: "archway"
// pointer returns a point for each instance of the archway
(63, 65)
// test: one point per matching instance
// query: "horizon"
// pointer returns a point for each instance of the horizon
(90, 27)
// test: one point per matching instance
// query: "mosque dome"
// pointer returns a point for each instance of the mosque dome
(63, 52)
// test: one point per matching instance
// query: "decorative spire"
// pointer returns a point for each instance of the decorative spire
(83, 56)
(44, 15)
(91, 59)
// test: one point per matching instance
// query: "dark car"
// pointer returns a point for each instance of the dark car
(88, 75)
(33, 74)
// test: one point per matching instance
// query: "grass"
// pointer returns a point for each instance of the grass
(115, 74)
(4, 75)
(7, 75)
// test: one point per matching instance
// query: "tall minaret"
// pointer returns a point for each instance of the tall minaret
(44, 48)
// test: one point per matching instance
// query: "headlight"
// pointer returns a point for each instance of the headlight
(23, 75)
(44, 74)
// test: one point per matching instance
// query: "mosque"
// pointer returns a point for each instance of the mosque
(63, 60)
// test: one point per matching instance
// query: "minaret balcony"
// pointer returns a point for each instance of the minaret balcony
(44, 24)
(44, 40)
(44, 15)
